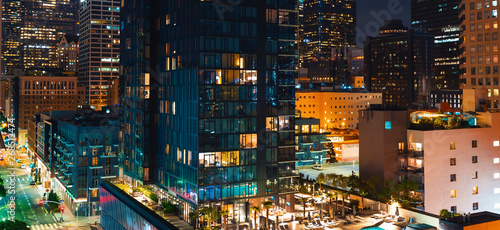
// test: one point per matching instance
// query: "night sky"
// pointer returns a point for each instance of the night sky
(371, 13)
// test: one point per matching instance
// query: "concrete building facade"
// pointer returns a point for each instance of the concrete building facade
(335, 109)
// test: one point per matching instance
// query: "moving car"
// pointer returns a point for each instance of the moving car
(318, 167)
(23, 166)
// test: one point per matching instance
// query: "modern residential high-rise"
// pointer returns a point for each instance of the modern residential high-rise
(479, 54)
(212, 91)
(99, 48)
(440, 18)
(42, 24)
(67, 53)
(399, 63)
(324, 25)
(11, 27)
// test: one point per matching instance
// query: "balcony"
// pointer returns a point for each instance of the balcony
(288, 173)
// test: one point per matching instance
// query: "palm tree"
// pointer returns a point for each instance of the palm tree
(194, 215)
(371, 186)
(330, 196)
(304, 200)
(209, 214)
(267, 205)
(320, 179)
(224, 215)
(330, 177)
(255, 209)
(336, 194)
(362, 193)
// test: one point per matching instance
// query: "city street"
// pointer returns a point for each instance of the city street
(27, 197)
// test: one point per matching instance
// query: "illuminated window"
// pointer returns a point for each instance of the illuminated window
(388, 125)
(496, 143)
(496, 190)
(453, 161)
(496, 160)
(452, 145)
(474, 191)
(474, 175)
(496, 175)
(453, 193)
(497, 206)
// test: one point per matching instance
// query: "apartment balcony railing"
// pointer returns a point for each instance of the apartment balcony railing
(288, 173)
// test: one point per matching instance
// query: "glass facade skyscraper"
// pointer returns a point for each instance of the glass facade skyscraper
(11, 27)
(324, 25)
(440, 18)
(219, 82)
(99, 48)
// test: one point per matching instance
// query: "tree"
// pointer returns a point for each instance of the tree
(303, 189)
(194, 216)
(406, 186)
(371, 186)
(320, 179)
(255, 209)
(209, 214)
(224, 215)
(17, 224)
(267, 205)
(55, 198)
(304, 200)
(3, 191)
(330, 178)
(330, 196)
(336, 194)
(362, 193)
(443, 214)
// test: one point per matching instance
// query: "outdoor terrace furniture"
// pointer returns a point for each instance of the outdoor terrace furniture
(352, 219)
(286, 227)
(359, 217)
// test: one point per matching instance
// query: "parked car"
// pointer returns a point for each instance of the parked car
(23, 166)
(32, 182)
(318, 167)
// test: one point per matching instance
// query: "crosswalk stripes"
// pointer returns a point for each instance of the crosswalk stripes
(44, 226)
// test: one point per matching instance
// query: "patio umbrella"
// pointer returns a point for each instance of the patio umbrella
(378, 205)
(388, 211)
(353, 210)
(397, 211)
(309, 216)
(321, 214)
(343, 212)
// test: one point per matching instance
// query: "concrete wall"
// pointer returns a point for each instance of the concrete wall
(437, 168)
(420, 217)
(378, 146)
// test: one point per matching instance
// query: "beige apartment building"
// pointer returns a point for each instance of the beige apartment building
(479, 65)
(335, 109)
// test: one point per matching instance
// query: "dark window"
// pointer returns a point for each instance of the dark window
(475, 206)
(453, 177)
(474, 144)
(453, 161)
(474, 159)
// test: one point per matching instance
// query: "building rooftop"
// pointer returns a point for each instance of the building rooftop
(70, 38)
(474, 218)
(86, 117)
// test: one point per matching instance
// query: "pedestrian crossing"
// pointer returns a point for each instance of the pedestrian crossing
(44, 226)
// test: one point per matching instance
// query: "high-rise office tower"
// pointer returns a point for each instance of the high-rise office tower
(219, 84)
(324, 25)
(440, 18)
(99, 48)
(399, 64)
(479, 55)
(11, 25)
(43, 23)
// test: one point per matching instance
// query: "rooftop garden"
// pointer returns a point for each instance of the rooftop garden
(423, 120)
